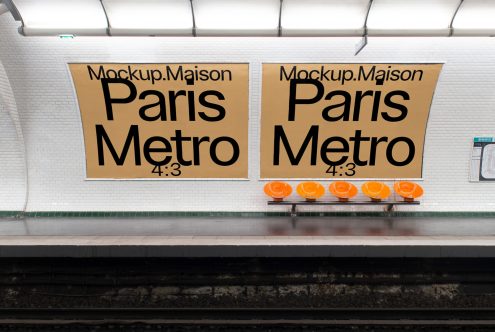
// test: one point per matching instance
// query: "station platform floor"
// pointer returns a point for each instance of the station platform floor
(248, 237)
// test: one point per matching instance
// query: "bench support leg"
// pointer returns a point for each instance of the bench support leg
(293, 212)
(389, 208)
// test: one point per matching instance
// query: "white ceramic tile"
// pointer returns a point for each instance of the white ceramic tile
(463, 107)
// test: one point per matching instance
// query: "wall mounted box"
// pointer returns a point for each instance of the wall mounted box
(59, 17)
(475, 18)
(411, 17)
(149, 17)
(236, 18)
(323, 17)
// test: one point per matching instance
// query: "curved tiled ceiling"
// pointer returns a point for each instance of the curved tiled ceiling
(255, 17)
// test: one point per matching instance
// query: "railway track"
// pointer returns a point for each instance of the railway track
(224, 319)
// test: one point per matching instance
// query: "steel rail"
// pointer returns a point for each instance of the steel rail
(346, 316)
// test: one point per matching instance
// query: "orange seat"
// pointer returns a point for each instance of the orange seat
(375, 190)
(277, 190)
(408, 190)
(343, 190)
(310, 190)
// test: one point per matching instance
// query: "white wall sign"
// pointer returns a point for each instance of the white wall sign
(483, 159)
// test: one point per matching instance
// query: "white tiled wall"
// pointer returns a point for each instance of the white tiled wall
(12, 163)
(464, 106)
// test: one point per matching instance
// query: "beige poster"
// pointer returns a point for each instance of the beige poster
(164, 121)
(345, 120)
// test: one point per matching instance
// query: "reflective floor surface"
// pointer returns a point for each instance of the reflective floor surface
(268, 226)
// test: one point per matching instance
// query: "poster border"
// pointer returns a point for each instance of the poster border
(74, 93)
(347, 63)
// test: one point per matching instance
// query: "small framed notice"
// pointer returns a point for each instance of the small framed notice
(483, 160)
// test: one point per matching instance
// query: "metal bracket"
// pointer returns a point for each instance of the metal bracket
(388, 206)
(293, 211)
(451, 25)
(361, 45)
(364, 41)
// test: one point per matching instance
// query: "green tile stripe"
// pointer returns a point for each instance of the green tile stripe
(11, 214)
(144, 214)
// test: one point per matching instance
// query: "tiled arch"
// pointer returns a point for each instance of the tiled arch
(13, 175)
